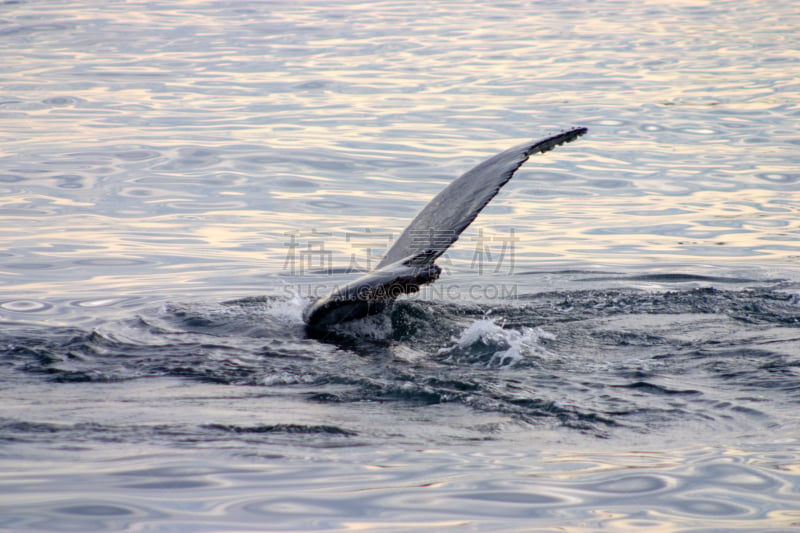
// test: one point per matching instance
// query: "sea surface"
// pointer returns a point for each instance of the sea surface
(614, 344)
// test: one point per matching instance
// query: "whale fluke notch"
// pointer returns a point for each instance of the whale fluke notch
(409, 263)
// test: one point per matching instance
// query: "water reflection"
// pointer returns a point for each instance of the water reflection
(169, 152)
(375, 489)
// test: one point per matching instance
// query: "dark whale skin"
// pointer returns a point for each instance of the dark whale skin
(369, 294)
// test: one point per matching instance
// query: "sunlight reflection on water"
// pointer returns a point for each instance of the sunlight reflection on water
(154, 152)
(391, 488)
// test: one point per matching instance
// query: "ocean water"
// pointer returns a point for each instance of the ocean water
(613, 345)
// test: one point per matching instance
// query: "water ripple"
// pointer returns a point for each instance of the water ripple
(25, 306)
(165, 154)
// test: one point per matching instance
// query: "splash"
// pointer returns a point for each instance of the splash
(488, 342)
(287, 311)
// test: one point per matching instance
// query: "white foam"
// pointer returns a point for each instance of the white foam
(522, 343)
(287, 378)
(287, 310)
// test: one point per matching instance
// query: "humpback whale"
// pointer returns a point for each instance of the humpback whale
(409, 262)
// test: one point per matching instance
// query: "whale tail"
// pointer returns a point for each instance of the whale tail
(409, 263)
(369, 294)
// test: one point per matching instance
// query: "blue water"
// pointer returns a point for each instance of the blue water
(613, 344)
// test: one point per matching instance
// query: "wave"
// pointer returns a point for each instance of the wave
(590, 360)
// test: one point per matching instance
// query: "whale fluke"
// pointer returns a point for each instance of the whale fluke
(409, 263)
